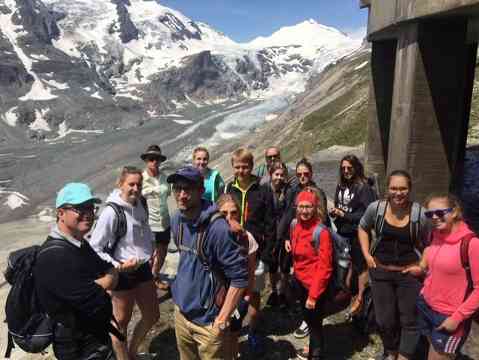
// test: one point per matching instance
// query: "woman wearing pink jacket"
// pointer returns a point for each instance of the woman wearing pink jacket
(450, 295)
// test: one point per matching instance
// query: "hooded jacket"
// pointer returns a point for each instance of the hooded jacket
(446, 282)
(195, 286)
(312, 267)
(138, 240)
(353, 200)
(257, 212)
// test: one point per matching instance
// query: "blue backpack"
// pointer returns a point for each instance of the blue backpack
(341, 255)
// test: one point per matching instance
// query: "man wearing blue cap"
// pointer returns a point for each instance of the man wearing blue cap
(209, 257)
(71, 280)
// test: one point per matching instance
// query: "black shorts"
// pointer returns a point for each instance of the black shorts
(131, 280)
(162, 237)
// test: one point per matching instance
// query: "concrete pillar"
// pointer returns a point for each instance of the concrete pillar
(434, 75)
(380, 99)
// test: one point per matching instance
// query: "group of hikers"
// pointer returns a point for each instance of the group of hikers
(270, 225)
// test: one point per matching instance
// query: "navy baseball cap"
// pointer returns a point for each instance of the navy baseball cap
(188, 173)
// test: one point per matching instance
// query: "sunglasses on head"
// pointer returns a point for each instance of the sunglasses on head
(440, 213)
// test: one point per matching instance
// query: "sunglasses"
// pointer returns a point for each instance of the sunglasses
(185, 188)
(272, 157)
(83, 210)
(346, 168)
(440, 213)
(153, 158)
(305, 174)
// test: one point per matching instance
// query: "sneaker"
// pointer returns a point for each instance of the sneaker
(255, 345)
(302, 354)
(302, 331)
(273, 300)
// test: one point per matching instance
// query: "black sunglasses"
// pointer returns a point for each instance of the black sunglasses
(440, 213)
(82, 210)
(272, 157)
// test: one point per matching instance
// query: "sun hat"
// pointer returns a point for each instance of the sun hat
(153, 151)
(75, 194)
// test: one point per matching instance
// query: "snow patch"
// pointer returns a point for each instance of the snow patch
(183, 122)
(14, 200)
(40, 122)
(59, 86)
(270, 117)
(11, 117)
(39, 57)
(97, 95)
(63, 131)
(361, 65)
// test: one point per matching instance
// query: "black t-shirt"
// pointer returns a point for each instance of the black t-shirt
(396, 247)
(64, 282)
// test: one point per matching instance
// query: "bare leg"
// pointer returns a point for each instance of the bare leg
(145, 297)
(254, 310)
(122, 302)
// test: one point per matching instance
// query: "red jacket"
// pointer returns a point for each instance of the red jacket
(312, 267)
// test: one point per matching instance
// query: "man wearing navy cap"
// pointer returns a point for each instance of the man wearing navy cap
(71, 280)
(201, 321)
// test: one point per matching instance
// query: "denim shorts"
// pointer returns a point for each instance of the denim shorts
(442, 341)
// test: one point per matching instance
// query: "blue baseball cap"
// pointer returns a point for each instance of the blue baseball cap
(75, 194)
(188, 173)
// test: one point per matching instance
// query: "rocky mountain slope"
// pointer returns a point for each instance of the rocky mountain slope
(130, 61)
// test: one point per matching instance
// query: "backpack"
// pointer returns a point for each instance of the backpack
(414, 225)
(29, 326)
(222, 284)
(120, 225)
(341, 255)
(464, 251)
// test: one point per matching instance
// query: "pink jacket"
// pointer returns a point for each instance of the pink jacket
(446, 282)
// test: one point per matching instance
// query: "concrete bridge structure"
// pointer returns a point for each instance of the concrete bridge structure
(423, 63)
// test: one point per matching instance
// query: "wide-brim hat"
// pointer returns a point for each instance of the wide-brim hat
(153, 151)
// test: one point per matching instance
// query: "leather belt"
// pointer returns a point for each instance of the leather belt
(392, 268)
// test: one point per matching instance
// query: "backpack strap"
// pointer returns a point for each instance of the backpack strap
(378, 224)
(201, 237)
(10, 346)
(415, 225)
(120, 227)
(317, 235)
(464, 251)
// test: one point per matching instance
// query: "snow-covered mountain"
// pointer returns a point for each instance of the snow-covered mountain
(103, 64)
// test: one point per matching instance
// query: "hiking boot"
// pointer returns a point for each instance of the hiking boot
(273, 300)
(302, 331)
(255, 345)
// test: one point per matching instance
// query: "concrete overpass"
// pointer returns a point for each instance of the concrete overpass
(423, 63)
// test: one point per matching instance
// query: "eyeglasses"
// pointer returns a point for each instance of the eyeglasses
(272, 157)
(83, 210)
(178, 188)
(440, 213)
(153, 158)
(305, 207)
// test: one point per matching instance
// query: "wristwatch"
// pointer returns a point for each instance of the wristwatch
(223, 325)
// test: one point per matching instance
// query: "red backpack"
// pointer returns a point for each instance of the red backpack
(467, 267)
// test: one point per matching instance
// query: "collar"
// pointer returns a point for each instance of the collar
(57, 233)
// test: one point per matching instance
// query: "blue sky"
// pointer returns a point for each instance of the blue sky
(243, 20)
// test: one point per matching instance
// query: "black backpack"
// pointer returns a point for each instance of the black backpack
(29, 326)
